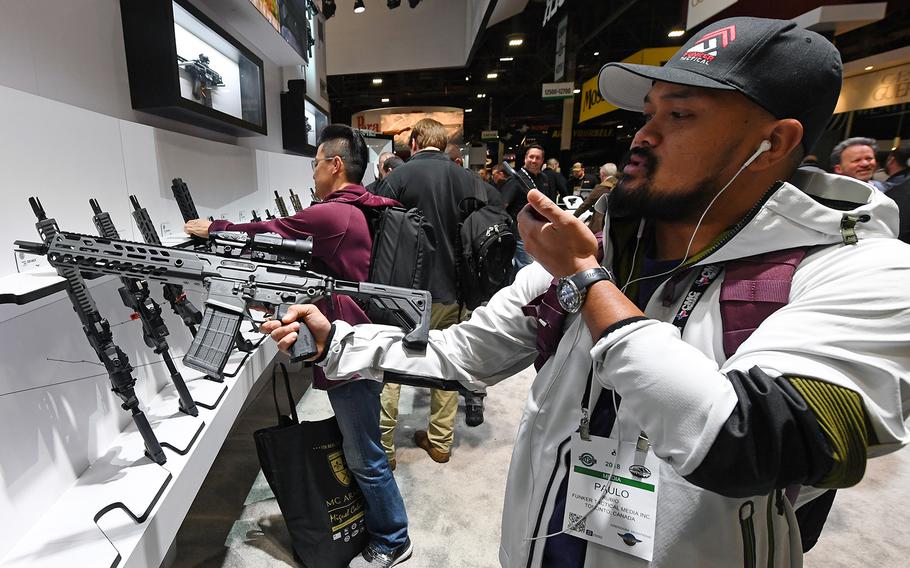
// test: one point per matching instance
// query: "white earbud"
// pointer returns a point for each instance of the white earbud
(763, 147)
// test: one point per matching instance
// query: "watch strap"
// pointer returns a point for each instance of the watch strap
(584, 279)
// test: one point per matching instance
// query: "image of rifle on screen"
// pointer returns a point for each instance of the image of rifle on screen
(203, 76)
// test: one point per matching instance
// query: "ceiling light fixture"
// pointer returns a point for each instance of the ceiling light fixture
(328, 8)
(576, 91)
(869, 67)
(385, 100)
(467, 77)
(481, 95)
(392, 4)
(469, 110)
(619, 126)
(359, 8)
(676, 33)
(596, 53)
(377, 80)
(506, 58)
(492, 75)
(515, 42)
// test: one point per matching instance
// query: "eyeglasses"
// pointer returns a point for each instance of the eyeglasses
(317, 160)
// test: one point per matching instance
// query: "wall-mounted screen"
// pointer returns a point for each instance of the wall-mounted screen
(184, 66)
(291, 19)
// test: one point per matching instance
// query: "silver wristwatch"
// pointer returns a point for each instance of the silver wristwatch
(572, 290)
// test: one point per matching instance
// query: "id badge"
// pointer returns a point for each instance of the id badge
(626, 517)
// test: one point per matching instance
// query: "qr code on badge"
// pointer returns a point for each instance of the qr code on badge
(576, 522)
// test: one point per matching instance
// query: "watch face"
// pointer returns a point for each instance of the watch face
(568, 295)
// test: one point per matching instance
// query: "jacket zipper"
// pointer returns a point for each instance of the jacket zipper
(546, 496)
(747, 218)
(747, 526)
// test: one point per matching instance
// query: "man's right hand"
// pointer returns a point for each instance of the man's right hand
(284, 332)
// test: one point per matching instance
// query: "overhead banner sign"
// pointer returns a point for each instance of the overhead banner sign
(489, 135)
(889, 86)
(559, 69)
(700, 10)
(558, 90)
(553, 6)
(593, 105)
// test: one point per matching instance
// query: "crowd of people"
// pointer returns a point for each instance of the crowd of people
(732, 322)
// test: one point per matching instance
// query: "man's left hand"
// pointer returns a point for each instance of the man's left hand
(556, 238)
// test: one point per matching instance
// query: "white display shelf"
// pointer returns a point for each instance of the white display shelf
(125, 509)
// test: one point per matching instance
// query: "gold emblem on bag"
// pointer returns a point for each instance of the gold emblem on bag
(340, 468)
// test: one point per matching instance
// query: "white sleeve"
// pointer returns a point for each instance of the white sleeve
(495, 343)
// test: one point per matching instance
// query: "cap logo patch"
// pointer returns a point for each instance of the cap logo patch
(705, 49)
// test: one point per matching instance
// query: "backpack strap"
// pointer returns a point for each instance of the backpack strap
(754, 288)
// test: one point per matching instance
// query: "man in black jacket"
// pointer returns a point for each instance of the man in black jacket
(514, 195)
(436, 185)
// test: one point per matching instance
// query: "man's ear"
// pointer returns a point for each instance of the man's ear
(784, 135)
(838, 169)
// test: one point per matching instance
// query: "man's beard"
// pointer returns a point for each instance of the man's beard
(660, 203)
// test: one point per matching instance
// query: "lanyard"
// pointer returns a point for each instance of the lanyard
(708, 274)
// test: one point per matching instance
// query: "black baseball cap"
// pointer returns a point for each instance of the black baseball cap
(789, 71)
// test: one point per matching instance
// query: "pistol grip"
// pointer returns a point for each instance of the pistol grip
(305, 346)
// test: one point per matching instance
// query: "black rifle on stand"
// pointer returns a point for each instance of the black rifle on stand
(137, 296)
(98, 332)
(174, 293)
(295, 202)
(282, 206)
(187, 209)
(256, 218)
(268, 215)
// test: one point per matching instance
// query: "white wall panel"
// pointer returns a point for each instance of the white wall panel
(61, 154)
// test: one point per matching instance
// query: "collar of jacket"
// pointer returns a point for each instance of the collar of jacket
(354, 194)
(805, 211)
(429, 154)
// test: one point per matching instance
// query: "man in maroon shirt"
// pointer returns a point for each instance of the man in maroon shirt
(341, 248)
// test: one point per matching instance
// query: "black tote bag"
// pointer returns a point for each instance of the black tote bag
(304, 465)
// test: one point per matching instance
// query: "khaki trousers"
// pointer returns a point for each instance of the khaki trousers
(443, 404)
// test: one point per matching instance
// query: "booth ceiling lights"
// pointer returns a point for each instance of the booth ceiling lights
(516, 41)
(385, 100)
(377, 80)
(676, 33)
(359, 8)
(492, 75)
(469, 110)
(328, 8)
(506, 58)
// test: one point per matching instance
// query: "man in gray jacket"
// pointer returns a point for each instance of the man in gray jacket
(657, 432)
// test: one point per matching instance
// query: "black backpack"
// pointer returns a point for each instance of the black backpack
(484, 247)
(404, 246)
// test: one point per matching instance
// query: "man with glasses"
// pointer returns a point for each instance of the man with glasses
(342, 242)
